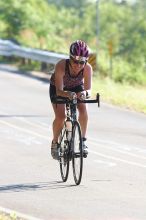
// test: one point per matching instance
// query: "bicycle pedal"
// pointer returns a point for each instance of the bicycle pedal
(85, 155)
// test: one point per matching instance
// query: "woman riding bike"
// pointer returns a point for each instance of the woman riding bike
(72, 78)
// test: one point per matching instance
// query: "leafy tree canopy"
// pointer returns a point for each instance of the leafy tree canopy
(54, 24)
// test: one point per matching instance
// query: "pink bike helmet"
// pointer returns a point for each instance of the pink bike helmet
(79, 50)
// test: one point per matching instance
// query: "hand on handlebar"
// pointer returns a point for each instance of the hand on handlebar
(82, 95)
(72, 95)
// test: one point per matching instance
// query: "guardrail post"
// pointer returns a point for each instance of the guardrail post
(43, 66)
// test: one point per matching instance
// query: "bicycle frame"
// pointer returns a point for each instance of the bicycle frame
(71, 147)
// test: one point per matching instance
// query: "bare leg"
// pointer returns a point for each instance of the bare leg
(83, 118)
(58, 122)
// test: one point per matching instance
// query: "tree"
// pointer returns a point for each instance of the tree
(72, 3)
(13, 15)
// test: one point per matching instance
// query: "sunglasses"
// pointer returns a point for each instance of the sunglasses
(78, 61)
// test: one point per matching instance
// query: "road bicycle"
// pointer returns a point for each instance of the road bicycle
(70, 146)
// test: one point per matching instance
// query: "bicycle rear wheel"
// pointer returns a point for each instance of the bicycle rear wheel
(64, 154)
(77, 157)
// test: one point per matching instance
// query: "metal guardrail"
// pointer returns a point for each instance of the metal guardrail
(8, 48)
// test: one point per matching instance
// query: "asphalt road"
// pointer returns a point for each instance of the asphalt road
(113, 186)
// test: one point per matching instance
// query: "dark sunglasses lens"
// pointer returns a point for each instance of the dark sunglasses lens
(79, 62)
(82, 62)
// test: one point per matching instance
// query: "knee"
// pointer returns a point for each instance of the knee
(83, 114)
(82, 110)
(60, 117)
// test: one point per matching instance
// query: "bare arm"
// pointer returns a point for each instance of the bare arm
(88, 79)
(59, 74)
(87, 82)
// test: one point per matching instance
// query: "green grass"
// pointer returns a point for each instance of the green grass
(125, 95)
(7, 217)
(11, 216)
(4, 217)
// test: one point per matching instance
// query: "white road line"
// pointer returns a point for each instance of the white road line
(14, 214)
(32, 123)
(96, 142)
(106, 163)
(25, 130)
(118, 159)
(46, 127)
(97, 153)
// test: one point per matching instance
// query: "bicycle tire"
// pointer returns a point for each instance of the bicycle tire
(64, 154)
(77, 155)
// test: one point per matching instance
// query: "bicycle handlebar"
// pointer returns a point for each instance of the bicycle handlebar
(64, 100)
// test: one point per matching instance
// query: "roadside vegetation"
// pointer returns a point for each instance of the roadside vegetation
(118, 37)
(123, 95)
(12, 216)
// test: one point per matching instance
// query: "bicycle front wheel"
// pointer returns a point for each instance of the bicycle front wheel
(77, 155)
(64, 154)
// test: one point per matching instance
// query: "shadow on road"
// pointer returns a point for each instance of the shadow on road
(33, 186)
(13, 70)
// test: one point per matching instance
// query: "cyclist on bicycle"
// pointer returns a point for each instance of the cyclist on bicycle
(72, 78)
